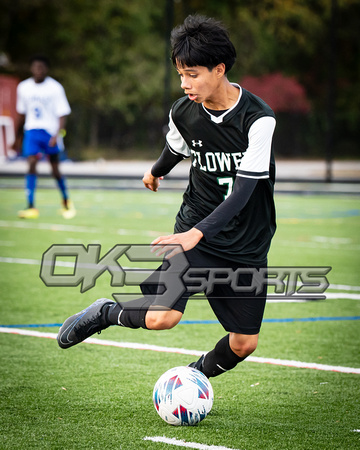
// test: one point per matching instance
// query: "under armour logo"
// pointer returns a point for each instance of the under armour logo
(197, 143)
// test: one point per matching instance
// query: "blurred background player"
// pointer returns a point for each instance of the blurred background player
(43, 108)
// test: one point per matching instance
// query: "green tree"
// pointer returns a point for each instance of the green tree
(110, 56)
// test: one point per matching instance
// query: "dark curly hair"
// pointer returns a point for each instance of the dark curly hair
(202, 41)
(40, 57)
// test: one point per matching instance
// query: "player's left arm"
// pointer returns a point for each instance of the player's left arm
(62, 110)
(254, 166)
(61, 129)
(212, 224)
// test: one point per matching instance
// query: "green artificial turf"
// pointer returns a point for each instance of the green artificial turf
(92, 396)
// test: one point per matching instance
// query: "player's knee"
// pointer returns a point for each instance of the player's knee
(32, 164)
(162, 320)
(244, 346)
(56, 172)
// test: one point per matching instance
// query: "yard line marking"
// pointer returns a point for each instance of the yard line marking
(344, 287)
(332, 295)
(7, 243)
(37, 262)
(34, 262)
(318, 245)
(183, 351)
(74, 228)
(303, 365)
(181, 443)
(48, 226)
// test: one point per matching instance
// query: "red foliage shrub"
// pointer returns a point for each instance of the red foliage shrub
(282, 94)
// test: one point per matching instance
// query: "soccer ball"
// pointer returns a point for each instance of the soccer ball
(183, 396)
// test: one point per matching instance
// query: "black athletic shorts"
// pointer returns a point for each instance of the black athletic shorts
(238, 306)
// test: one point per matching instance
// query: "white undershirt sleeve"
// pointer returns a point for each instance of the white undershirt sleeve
(175, 141)
(256, 160)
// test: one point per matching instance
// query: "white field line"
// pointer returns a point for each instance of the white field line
(333, 295)
(320, 245)
(183, 351)
(48, 226)
(74, 228)
(344, 287)
(181, 443)
(318, 242)
(33, 262)
(7, 243)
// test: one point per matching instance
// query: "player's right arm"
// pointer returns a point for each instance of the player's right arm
(21, 116)
(151, 182)
(175, 150)
(19, 130)
(167, 161)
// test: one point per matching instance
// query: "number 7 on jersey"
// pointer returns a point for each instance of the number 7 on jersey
(229, 181)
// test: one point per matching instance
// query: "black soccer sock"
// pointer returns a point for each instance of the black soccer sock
(220, 359)
(129, 314)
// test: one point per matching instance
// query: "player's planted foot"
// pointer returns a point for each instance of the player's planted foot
(68, 211)
(87, 322)
(198, 364)
(30, 213)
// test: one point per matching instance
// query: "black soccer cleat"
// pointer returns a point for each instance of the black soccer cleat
(198, 364)
(84, 324)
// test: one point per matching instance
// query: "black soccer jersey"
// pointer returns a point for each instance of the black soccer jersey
(219, 150)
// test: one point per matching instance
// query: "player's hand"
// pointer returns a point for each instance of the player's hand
(52, 141)
(151, 182)
(176, 243)
(17, 144)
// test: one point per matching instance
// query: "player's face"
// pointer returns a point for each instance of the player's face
(200, 84)
(39, 71)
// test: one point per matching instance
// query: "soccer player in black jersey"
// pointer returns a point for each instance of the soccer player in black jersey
(227, 218)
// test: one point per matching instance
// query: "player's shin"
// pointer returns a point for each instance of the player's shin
(30, 183)
(129, 314)
(219, 360)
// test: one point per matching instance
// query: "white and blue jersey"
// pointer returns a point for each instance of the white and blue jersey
(42, 104)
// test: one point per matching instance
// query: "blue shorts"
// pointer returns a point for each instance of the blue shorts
(37, 141)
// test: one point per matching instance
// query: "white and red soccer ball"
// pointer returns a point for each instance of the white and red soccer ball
(183, 396)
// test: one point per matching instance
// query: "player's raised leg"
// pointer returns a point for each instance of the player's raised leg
(156, 310)
(68, 210)
(87, 322)
(105, 312)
